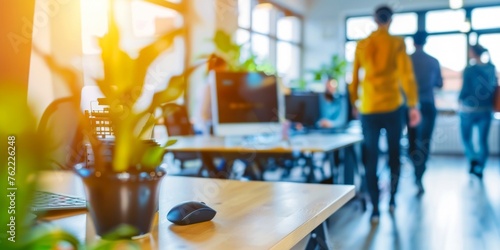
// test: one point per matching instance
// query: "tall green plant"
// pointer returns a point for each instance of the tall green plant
(122, 85)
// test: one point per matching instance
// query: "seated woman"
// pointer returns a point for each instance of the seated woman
(333, 107)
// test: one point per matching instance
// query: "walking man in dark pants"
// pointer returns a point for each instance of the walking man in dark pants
(428, 75)
(388, 69)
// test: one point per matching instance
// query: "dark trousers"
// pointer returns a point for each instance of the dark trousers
(481, 120)
(371, 124)
(419, 139)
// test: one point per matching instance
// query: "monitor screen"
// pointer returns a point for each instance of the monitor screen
(249, 100)
(303, 108)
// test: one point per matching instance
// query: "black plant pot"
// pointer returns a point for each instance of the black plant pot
(126, 198)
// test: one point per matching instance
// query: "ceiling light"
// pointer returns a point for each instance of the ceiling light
(456, 4)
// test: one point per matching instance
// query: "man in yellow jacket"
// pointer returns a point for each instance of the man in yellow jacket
(387, 71)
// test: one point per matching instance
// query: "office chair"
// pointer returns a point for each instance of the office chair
(60, 126)
(176, 121)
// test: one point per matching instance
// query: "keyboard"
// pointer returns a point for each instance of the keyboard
(47, 201)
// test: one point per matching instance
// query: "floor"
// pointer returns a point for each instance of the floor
(456, 212)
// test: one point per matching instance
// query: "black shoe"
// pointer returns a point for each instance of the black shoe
(473, 165)
(478, 172)
(375, 217)
(392, 204)
(420, 187)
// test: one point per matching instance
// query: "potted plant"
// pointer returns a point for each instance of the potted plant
(330, 74)
(333, 70)
(122, 182)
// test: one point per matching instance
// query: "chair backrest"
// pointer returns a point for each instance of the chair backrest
(177, 120)
(60, 126)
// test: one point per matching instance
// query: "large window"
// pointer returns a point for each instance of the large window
(360, 27)
(449, 31)
(492, 42)
(486, 18)
(444, 20)
(451, 52)
(146, 21)
(273, 34)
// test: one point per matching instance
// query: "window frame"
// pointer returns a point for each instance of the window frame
(274, 40)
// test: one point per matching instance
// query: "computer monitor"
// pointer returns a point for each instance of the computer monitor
(303, 108)
(246, 103)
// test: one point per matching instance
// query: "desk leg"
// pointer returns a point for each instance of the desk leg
(350, 162)
(351, 167)
(319, 238)
(334, 167)
(311, 178)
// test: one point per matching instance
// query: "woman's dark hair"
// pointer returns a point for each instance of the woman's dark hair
(478, 49)
(383, 14)
(420, 38)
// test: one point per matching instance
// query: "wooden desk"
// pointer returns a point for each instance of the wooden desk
(307, 143)
(250, 215)
(301, 143)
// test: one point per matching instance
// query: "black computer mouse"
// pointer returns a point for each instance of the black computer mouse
(190, 212)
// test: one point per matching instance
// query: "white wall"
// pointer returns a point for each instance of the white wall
(298, 6)
(56, 31)
(40, 92)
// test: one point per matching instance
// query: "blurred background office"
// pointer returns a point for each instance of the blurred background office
(456, 212)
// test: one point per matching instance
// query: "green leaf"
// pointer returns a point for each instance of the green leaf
(46, 237)
(148, 126)
(174, 90)
(125, 141)
(68, 75)
(249, 65)
(334, 70)
(223, 41)
(170, 143)
(123, 231)
(148, 54)
(176, 87)
(152, 157)
(118, 66)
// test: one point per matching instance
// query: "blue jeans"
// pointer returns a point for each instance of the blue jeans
(481, 120)
(371, 124)
(419, 139)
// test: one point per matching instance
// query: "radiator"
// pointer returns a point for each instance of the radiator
(447, 140)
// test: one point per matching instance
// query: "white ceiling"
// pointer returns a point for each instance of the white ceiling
(299, 6)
